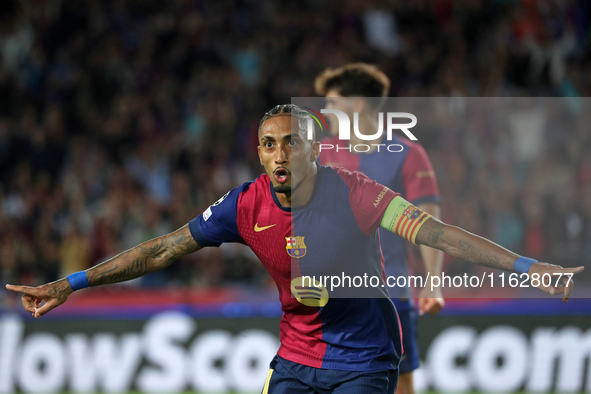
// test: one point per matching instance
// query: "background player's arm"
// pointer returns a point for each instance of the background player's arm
(150, 256)
(473, 248)
(420, 184)
(431, 299)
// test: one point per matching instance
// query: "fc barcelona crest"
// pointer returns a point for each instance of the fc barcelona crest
(412, 213)
(295, 247)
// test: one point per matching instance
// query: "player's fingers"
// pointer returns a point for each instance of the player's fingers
(421, 308)
(29, 306)
(435, 308)
(23, 289)
(423, 305)
(574, 270)
(431, 306)
(28, 302)
(49, 305)
(555, 290)
(568, 289)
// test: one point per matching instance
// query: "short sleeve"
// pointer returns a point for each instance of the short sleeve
(218, 224)
(368, 199)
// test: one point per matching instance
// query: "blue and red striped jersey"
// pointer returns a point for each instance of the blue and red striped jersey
(338, 223)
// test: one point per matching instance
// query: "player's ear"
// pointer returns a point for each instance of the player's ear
(315, 151)
(259, 152)
(358, 105)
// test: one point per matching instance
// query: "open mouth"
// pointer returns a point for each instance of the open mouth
(281, 175)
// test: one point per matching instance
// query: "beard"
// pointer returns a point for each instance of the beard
(282, 189)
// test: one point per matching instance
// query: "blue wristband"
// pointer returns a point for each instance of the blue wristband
(523, 264)
(78, 280)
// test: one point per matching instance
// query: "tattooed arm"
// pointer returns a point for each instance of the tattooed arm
(150, 256)
(467, 246)
(464, 245)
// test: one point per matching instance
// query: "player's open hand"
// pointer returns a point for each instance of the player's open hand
(430, 301)
(553, 279)
(41, 299)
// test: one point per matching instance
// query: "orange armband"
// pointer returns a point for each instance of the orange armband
(404, 219)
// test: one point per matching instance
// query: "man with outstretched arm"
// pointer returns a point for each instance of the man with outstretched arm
(328, 345)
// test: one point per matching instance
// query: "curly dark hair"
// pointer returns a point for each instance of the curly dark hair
(288, 110)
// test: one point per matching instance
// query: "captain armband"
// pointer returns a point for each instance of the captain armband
(404, 219)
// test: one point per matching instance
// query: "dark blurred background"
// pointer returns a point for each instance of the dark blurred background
(123, 120)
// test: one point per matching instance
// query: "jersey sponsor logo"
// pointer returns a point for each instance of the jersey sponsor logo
(309, 291)
(207, 214)
(295, 246)
(380, 196)
(259, 229)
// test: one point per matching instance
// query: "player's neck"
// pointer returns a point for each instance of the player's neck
(302, 192)
(367, 126)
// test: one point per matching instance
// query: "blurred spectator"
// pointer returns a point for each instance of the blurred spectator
(123, 120)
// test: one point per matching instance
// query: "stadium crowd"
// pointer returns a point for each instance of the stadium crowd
(122, 120)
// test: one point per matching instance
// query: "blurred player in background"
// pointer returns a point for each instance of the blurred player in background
(328, 345)
(408, 172)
